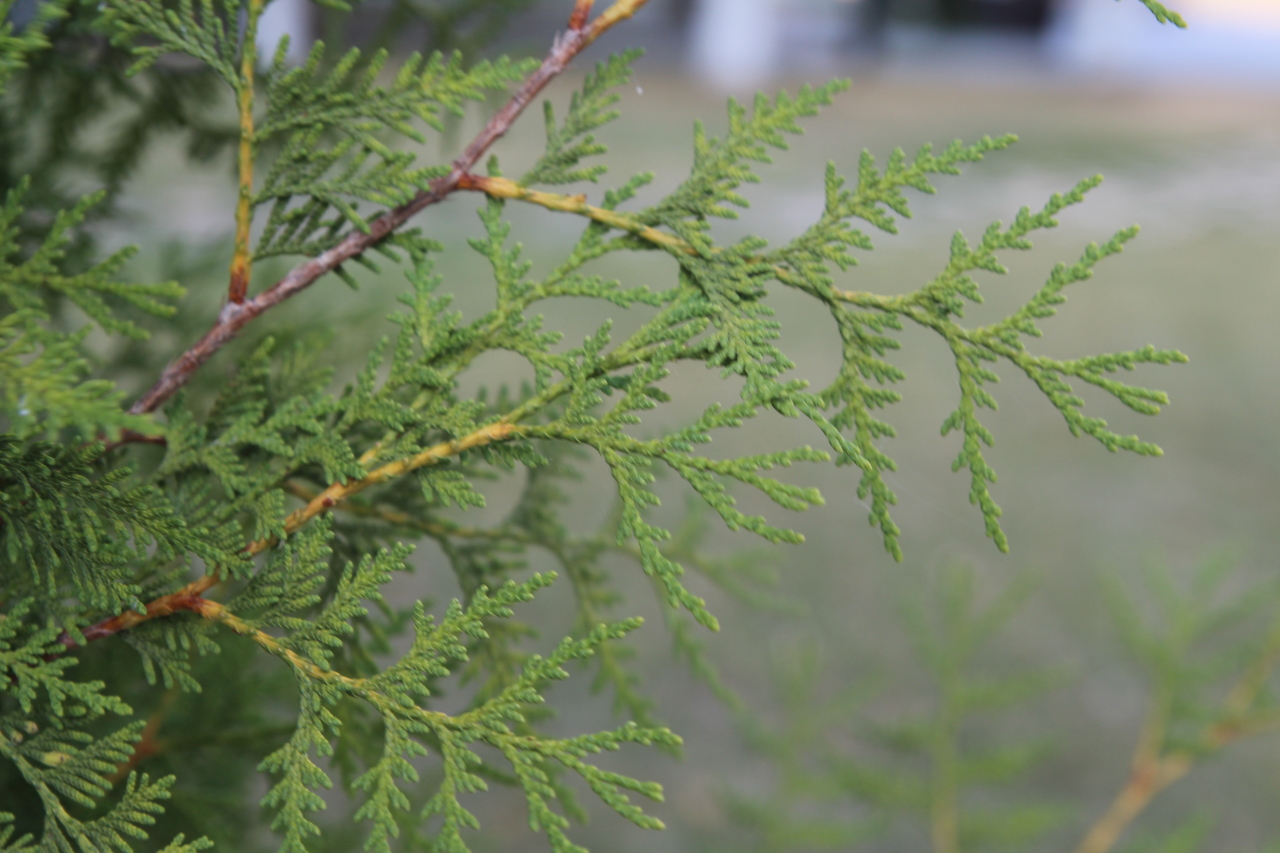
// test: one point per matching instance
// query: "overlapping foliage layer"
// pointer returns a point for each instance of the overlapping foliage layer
(277, 512)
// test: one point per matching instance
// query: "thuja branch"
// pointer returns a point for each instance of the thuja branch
(190, 597)
(327, 499)
(505, 188)
(236, 315)
(1152, 770)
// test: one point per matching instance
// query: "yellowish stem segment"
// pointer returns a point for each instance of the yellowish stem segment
(325, 501)
(619, 11)
(1151, 772)
(509, 189)
(356, 686)
(577, 204)
(242, 260)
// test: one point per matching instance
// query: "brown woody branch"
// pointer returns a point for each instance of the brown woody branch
(191, 597)
(1152, 769)
(236, 315)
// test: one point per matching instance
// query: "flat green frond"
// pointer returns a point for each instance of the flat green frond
(181, 845)
(66, 530)
(866, 335)
(204, 29)
(448, 83)
(15, 45)
(70, 767)
(166, 649)
(253, 434)
(937, 306)
(631, 461)
(299, 777)
(570, 142)
(720, 166)
(334, 122)
(43, 372)
(412, 730)
(34, 664)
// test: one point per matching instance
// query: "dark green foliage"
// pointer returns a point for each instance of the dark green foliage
(67, 766)
(73, 112)
(279, 508)
(67, 532)
(43, 369)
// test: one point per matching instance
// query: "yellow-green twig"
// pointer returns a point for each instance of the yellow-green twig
(242, 259)
(505, 188)
(1152, 770)
(327, 499)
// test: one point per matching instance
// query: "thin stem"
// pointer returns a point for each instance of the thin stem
(578, 19)
(437, 529)
(944, 806)
(1151, 771)
(353, 686)
(148, 744)
(236, 315)
(190, 597)
(1145, 781)
(509, 189)
(242, 259)
(327, 499)
(506, 188)
(184, 600)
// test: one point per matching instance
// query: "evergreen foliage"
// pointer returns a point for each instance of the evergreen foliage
(848, 774)
(275, 514)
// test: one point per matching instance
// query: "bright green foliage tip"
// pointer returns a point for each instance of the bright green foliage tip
(1164, 15)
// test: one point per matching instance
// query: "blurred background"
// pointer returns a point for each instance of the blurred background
(1186, 127)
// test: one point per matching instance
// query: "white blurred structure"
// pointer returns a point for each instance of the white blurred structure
(286, 17)
(739, 45)
(735, 43)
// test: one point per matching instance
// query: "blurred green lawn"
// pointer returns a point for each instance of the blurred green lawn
(1200, 170)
